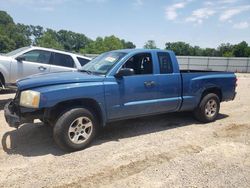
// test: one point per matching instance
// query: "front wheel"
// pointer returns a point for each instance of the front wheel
(208, 108)
(75, 129)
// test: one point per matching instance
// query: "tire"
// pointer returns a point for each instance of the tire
(208, 109)
(75, 129)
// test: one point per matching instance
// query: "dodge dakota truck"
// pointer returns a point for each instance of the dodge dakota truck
(114, 86)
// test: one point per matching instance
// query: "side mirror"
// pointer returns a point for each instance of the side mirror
(125, 72)
(20, 58)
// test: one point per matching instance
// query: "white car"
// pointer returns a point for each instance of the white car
(33, 60)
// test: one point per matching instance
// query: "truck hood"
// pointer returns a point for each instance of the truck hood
(46, 79)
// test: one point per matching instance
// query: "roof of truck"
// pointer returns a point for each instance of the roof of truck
(141, 50)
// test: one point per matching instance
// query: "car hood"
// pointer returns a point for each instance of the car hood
(46, 79)
(5, 58)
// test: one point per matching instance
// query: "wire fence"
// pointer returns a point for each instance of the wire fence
(228, 64)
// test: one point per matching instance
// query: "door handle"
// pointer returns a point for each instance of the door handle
(150, 84)
(42, 68)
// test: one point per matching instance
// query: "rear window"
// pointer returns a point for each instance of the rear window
(165, 62)
(83, 61)
(63, 60)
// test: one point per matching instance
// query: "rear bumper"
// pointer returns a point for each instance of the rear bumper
(234, 95)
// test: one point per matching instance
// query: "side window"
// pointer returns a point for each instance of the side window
(165, 63)
(141, 63)
(82, 61)
(38, 56)
(63, 60)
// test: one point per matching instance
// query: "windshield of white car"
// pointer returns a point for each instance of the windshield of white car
(103, 63)
(14, 52)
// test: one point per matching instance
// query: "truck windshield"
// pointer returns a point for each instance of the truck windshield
(14, 52)
(103, 63)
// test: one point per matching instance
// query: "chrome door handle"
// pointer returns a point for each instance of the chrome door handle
(42, 68)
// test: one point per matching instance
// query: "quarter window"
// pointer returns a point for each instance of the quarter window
(165, 63)
(63, 60)
(37, 56)
(83, 61)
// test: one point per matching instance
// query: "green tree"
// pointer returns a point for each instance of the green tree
(5, 18)
(105, 44)
(225, 49)
(128, 45)
(150, 44)
(36, 31)
(49, 40)
(12, 36)
(196, 51)
(112, 43)
(95, 47)
(241, 50)
(6, 44)
(72, 41)
(180, 48)
(209, 52)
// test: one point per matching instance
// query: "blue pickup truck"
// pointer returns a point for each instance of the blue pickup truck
(116, 85)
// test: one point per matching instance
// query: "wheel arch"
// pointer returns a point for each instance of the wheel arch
(52, 114)
(214, 90)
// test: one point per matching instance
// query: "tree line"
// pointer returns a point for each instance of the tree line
(13, 36)
(224, 50)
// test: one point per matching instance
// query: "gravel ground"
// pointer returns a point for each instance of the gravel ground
(169, 150)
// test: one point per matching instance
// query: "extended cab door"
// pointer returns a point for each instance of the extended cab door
(169, 83)
(133, 95)
(62, 62)
(33, 62)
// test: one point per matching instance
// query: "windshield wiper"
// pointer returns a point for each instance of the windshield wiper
(87, 71)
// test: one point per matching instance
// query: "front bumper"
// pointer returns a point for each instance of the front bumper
(12, 116)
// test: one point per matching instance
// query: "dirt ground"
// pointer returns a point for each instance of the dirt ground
(169, 150)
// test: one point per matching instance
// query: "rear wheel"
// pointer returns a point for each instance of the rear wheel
(208, 109)
(75, 129)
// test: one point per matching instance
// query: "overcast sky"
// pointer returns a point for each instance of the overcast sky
(205, 23)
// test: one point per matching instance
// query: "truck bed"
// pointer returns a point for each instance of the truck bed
(199, 71)
(194, 81)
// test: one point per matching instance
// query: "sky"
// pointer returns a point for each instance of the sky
(206, 23)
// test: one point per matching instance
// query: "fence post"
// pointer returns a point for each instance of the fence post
(227, 64)
(207, 63)
(248, 64)
(188, 63)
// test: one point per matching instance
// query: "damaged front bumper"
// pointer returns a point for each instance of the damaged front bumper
(11, 117)
(16, 115)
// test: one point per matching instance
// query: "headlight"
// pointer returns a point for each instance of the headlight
(30, 98)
